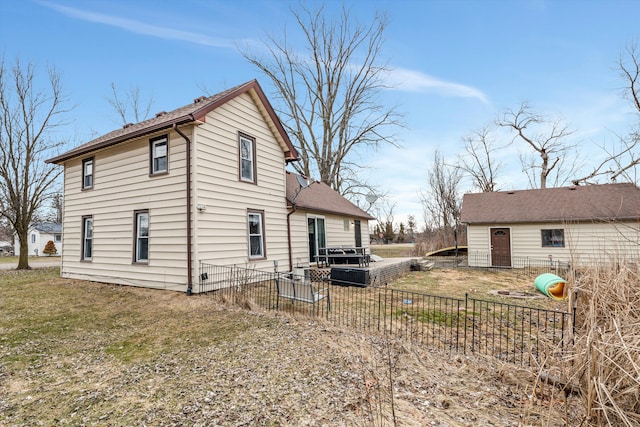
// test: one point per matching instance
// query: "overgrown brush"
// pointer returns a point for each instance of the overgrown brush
(606, 360)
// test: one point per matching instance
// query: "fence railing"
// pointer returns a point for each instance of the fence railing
(513, 333)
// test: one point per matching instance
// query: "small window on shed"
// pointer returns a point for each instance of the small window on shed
(553, 238)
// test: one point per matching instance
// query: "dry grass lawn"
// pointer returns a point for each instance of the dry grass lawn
(79, 353)
(480, 284)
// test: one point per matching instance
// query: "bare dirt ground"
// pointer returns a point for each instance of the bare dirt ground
(79, 353)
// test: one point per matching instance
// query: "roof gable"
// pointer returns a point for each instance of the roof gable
(319, 197)
(191, 113)
(583, 203)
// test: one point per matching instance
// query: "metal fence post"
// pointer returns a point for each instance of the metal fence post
(466, 307)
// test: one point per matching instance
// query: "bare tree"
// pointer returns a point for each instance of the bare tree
(547, 139)
(478, 160)
(622, 159)
(28, 117)
(441, 200)
(57, 206)
(129, 105)
(328, 94)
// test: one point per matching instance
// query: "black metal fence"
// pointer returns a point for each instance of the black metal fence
(513, 333)
(523, 265)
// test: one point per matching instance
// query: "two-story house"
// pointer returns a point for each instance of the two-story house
(145, 204)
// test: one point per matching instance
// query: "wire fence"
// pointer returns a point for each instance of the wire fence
(518, 334)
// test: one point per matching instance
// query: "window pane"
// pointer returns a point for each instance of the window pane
(256, 245)
(142, 236)
(247, 170)
(160, 164)
(553, 238)
(245, 149)
(254, 224)
(160, 149)
(87, 173)
(87, 244)
(159, 156)
(143, 225)
(256, 242)
(246, 159)
(143, 249)
(87, 249)
(88, 228)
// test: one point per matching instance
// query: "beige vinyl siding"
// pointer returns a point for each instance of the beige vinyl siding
(335, 234)
(222, 231)
(585, 243)
(299, 239)
(122, 185)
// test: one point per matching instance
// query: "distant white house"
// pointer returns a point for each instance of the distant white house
(39, 235)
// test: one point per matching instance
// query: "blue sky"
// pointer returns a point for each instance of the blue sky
(457, 64)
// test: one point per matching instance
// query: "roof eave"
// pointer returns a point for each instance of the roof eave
(117, 140)
(549, 221)
(332, 212)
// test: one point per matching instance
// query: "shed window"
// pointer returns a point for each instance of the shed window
(553, 238)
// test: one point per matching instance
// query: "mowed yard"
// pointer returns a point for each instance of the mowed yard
(82, 353)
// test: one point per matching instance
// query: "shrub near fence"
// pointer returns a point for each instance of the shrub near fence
(513, 333)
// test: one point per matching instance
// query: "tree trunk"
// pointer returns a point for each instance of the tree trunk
(23, 260)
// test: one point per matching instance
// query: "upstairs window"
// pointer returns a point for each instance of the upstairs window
(247, 159)
(87, 173)
(553, 238)
(256, 234)
(141, 238)
(159, 155)
(87, 238)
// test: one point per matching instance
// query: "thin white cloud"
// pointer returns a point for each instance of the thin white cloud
(415, 81)
(140, 27)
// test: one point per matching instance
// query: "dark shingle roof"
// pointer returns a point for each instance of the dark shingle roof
(319, 197)
(48, 227)
(582, 203)
(186, 114)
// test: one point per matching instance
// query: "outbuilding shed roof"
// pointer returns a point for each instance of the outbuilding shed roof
(604, 202)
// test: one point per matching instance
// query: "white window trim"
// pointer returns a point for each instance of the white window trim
(88, 161)
(153, 143)
(85, 219)
(137, 237)
(260, 215)
(250, 158)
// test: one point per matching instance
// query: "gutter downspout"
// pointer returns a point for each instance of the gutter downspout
(189, 222)
(289, 235)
